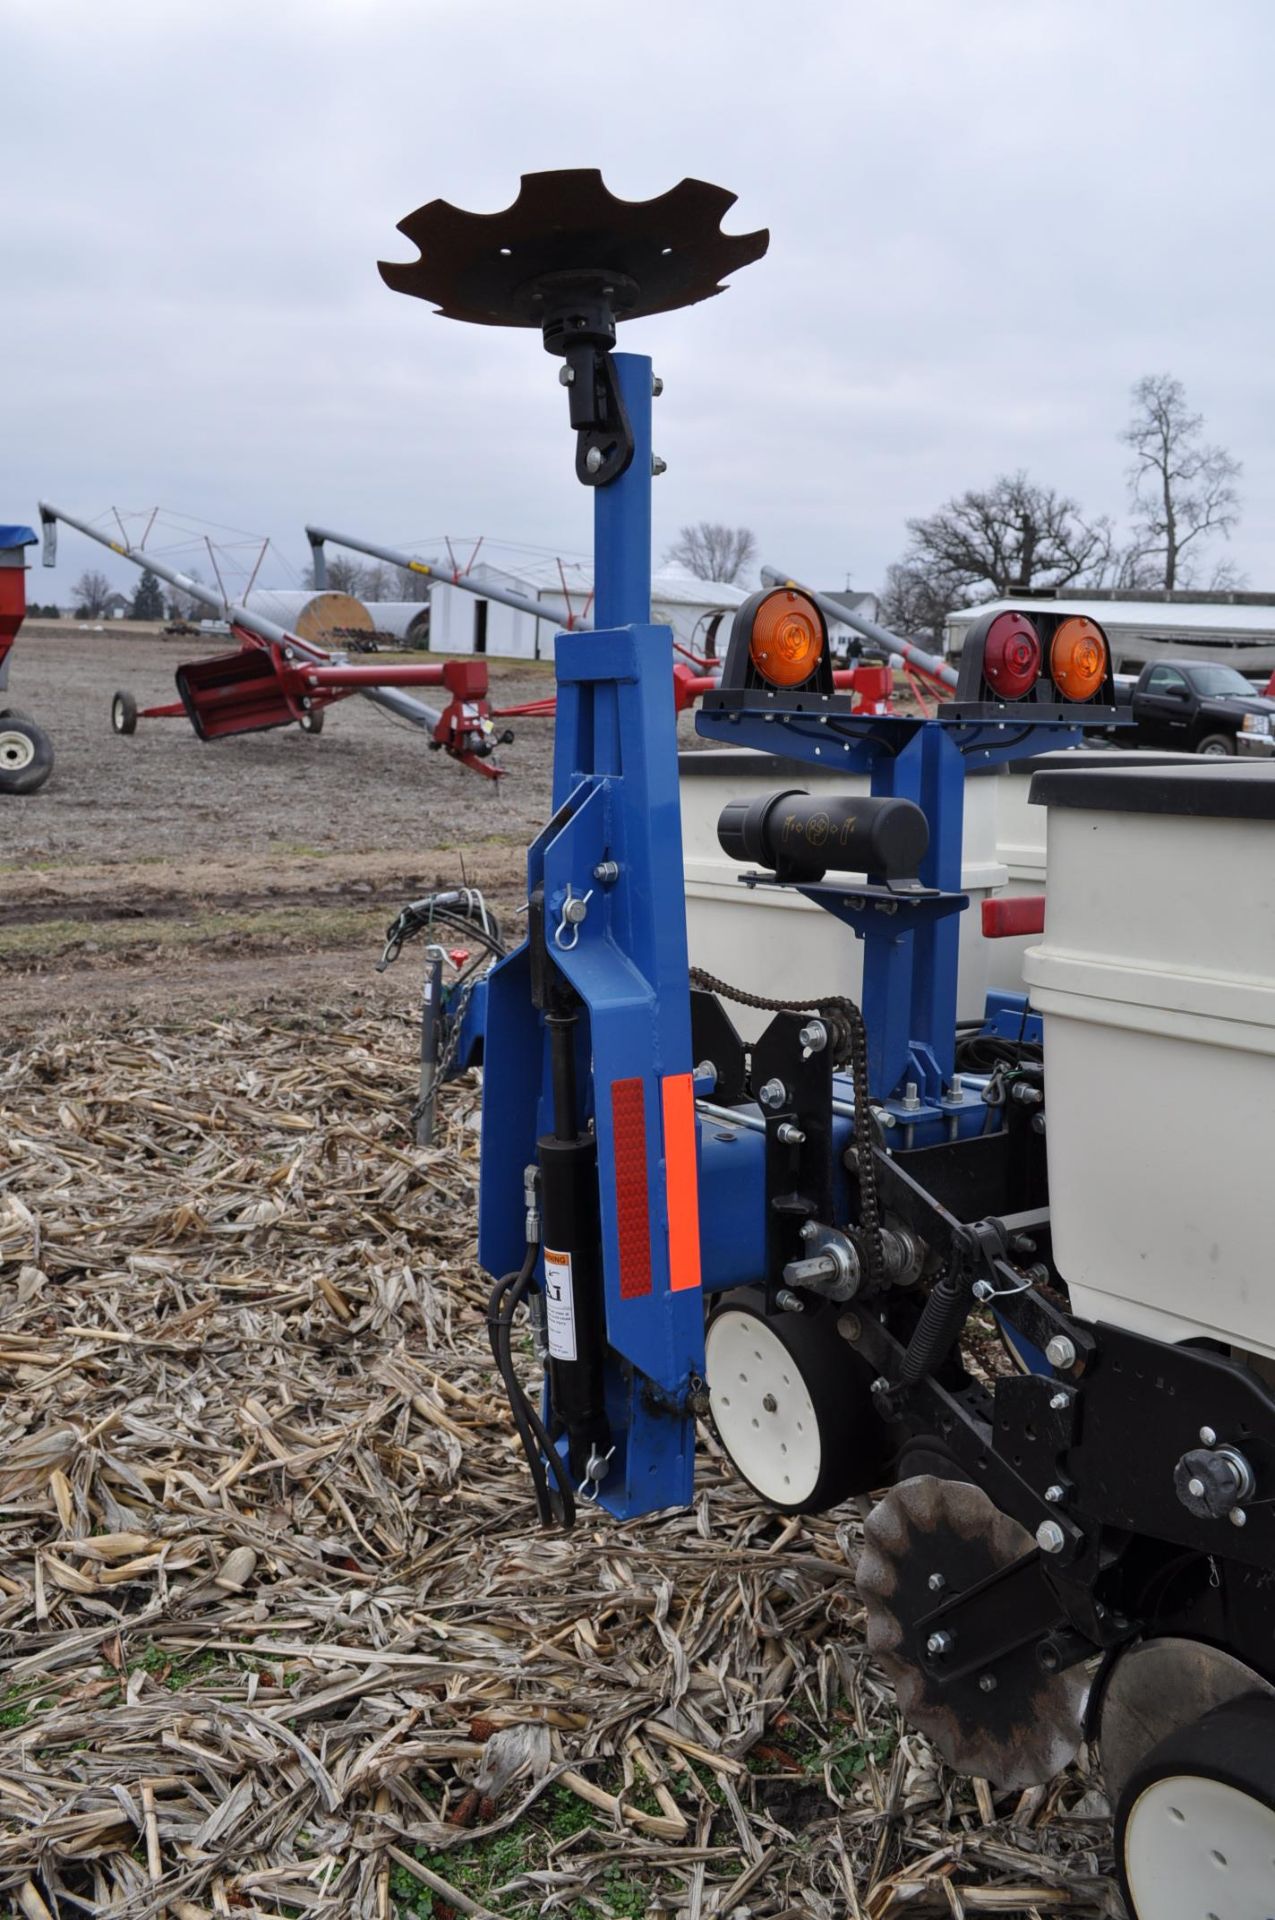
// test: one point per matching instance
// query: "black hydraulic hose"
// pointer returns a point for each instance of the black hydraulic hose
(507, 1296)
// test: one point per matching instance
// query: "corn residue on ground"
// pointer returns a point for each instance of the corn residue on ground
(278, 1632)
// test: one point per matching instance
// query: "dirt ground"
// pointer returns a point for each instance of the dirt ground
(159, 865)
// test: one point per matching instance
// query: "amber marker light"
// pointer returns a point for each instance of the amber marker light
(787, 640)
(1078, 658)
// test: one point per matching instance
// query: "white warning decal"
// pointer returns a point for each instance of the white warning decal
(560, 1306)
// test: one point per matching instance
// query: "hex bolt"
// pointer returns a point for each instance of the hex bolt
(606, 871)
(787, 1300)
(773, 1095)
(911, 1097)
(657, 386)
(850, 1327)
(1238, 1517)
(809, 1229)
(939, 1643)
(813, 1037)
(706, 1070)
(566, 376)
(1038, 1123)
(790, 1136)
(1050, 1537)
(936, 1582)
(658, 466)
(1022, 1243)
(987, 1683)
(770, 1404)
(1208, 1436)
(1059, 1402)
(593, 459)
(1061, 1352)
(1055, 1493)
(1026, 1094)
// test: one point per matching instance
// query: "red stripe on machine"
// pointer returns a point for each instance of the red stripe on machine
(632, 1201)
(681, 1179)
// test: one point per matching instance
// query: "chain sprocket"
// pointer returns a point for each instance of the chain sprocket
(1012, 1723)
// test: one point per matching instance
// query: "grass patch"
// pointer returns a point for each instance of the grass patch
(481, 1868)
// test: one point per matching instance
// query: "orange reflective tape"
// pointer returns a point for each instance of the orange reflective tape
(681, 1180)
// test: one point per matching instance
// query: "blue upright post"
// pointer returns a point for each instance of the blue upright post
(609, 864)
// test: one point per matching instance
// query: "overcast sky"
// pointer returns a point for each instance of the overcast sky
(987, 220)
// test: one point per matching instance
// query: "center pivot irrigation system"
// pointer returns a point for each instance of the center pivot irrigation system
(277, 679)
(796, 1235)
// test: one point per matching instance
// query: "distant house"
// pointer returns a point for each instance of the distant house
(116, 606)
(462, 622)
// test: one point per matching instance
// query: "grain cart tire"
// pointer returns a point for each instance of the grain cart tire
(1195, 1825)
(26, 756)
(792, 1405)
(312, 722)
(123, 713)
(1217, 746)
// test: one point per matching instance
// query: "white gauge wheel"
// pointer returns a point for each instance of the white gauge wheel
(762, 1408)
(1198, 1849)
(17, 750)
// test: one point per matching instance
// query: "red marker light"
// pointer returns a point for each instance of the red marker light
(1011, 656)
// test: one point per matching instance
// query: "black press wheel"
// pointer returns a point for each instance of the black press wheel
(312, 720)
(26, 756)
(1217, 746)
(124, 713)
(1195, 1825)
(792, 1404)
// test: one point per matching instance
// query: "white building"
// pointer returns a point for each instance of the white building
(464, 622)
(1237, 628)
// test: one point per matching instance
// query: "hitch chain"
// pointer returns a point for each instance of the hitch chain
(848, 1039)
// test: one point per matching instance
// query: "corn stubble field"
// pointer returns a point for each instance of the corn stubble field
(278, 1632)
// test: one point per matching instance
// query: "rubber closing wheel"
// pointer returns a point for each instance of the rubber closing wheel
(792, 1405)
(312, 722)
(124, 713)
(1195, 1827)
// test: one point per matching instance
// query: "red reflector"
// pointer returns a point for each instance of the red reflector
(628, 1130)
(1003, 916)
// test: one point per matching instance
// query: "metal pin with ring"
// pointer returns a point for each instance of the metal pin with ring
(574, 908)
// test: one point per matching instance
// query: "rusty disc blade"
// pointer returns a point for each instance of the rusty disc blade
(1025, 1726)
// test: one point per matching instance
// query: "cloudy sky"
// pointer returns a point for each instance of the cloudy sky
(987, 218)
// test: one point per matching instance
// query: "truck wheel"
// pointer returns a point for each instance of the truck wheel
(1195, 1825)
(124, 713)
(26, 756)
(1217, 745)
(792, 1405)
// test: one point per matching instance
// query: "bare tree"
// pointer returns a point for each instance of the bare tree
(91, 592)
(915, 602)
(714, 552)
(1180, 488)
(412, 586)
(1012, 536)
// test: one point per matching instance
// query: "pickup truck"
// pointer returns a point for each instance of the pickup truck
(1197, 706)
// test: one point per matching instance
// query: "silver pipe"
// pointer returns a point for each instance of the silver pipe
(520, 602)
(732, 1116)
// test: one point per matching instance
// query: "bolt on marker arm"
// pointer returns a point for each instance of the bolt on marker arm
(587, 1048)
